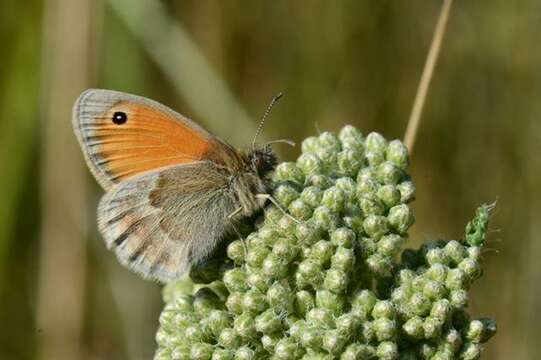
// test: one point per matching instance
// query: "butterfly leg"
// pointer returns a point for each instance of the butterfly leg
(230, 217)
(275, 203)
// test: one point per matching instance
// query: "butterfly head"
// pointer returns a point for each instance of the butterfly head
(262, 160)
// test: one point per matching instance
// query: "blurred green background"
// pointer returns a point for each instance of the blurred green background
(64, 296)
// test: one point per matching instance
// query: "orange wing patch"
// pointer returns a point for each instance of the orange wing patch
(129, 139)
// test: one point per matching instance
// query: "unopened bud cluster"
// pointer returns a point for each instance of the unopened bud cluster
(322, 281)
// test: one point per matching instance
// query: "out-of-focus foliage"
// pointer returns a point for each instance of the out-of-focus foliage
(338, 62)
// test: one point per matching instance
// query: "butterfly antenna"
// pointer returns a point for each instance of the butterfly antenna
(267, 112)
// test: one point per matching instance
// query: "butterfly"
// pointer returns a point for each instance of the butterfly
(173, 189)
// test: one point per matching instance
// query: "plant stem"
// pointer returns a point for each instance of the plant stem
(431, 59)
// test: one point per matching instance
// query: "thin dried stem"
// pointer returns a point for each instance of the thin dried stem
(422, 90)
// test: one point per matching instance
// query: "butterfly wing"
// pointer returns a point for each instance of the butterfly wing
(162, 222)
(123, 135)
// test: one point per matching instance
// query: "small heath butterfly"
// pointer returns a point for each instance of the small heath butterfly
(173, 190)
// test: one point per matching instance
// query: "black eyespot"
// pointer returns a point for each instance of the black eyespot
(120, 117)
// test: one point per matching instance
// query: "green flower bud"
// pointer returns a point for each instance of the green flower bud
(245, 353)
(474, 253)
(333, 341)
(389, 195)
(330, 141)
(366, 186)
(285, 194)
(371, 205)
(297, 329)
(310, 271)
(401, 218)
(256, 255)
(286, 349)
(459, 298)
(383, 309)
(222, 354)
(437, 272)
(288, 171)
(329, 300)
(325, 218)
(254, 301)
(389, 245)
(320, 318)
(274, 266)
(311, 338)
(351, 138)
(380, 265)
(348, 323)
(310, 144)
(455, 251)
(310, 164)
(434, 290)
(476, 230)
(322, 252)
(268, 322)
(358, 351)
(329, 157)
(407, 191)
(347, 185)
(285, 249)
(300, 210)
(375, 142)
(388, 173)
(354, 223)
(235, 280)
(201, 351)
(336, 280)
(235, 251)
(257, 280)
(398, 154)
(234, 303)
(343, 259)
(441, 309)
(387, 350)
(470, 351)
(268, 235)
(349, 162)
(385, 329)
(320, 181)
(334, 199)
(414, 327)
(453, 340)
(436, 256)
(229, 339)
(376, 226)
(307, 235)
(432, 327)
(419, 304)
(280, 297)
(244, 325)
(217, 321)
(456, 279)
(304, 302)
(343, 237)
(471, 268)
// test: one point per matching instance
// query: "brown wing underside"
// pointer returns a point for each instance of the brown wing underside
(161, 223)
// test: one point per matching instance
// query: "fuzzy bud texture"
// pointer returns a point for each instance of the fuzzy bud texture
(337, 284)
